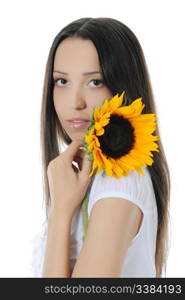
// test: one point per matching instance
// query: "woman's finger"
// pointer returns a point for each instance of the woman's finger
(75, 168)
(72, 149)
(86, 166)
(78, 160)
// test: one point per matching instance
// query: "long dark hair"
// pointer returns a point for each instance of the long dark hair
(124, 68)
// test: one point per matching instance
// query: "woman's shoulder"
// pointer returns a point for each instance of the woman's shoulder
(135, 187)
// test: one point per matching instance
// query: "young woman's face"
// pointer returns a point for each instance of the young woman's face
(75, 93)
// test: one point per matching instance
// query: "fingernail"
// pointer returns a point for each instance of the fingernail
(83, 148)
(87, 157)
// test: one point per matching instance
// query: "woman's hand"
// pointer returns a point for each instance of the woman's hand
(67, 183)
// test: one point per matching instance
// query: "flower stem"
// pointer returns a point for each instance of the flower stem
(85, 214)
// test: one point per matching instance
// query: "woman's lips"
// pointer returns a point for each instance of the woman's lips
(79, 124)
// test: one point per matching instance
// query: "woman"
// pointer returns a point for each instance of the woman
(91, 60)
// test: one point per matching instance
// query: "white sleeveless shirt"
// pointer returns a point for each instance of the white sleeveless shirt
(140, 257)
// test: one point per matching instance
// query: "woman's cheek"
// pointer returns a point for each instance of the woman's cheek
(99, 99)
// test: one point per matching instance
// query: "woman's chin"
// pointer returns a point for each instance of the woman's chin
(78, 135)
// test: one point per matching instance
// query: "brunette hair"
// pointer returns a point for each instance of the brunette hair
(124, 68)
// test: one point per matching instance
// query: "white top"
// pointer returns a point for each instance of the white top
(140, 257)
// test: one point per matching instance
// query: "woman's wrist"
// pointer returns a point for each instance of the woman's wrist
(57, 255)
(59, 218)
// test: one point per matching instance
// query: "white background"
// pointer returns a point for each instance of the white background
(27, 30)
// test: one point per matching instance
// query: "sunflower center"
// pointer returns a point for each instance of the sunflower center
(118, 138)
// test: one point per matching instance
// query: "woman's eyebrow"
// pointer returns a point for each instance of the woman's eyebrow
(86, 73)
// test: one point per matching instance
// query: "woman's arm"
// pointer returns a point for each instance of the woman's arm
(57, 252)
(113, 223)
(108, 238)
(67, 186)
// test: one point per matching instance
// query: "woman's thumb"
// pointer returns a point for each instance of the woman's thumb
(86, 165)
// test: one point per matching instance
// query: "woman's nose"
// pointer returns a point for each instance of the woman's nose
(79, 102)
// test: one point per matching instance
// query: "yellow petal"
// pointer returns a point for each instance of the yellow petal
(116, 102)
(100, 132)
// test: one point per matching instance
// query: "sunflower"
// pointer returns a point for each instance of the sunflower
(120, 138)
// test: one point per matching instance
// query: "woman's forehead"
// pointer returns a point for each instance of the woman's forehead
(78, 53)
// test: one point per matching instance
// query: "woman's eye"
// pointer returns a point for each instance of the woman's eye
(59, 79)
(62, 82)
(97, 82)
